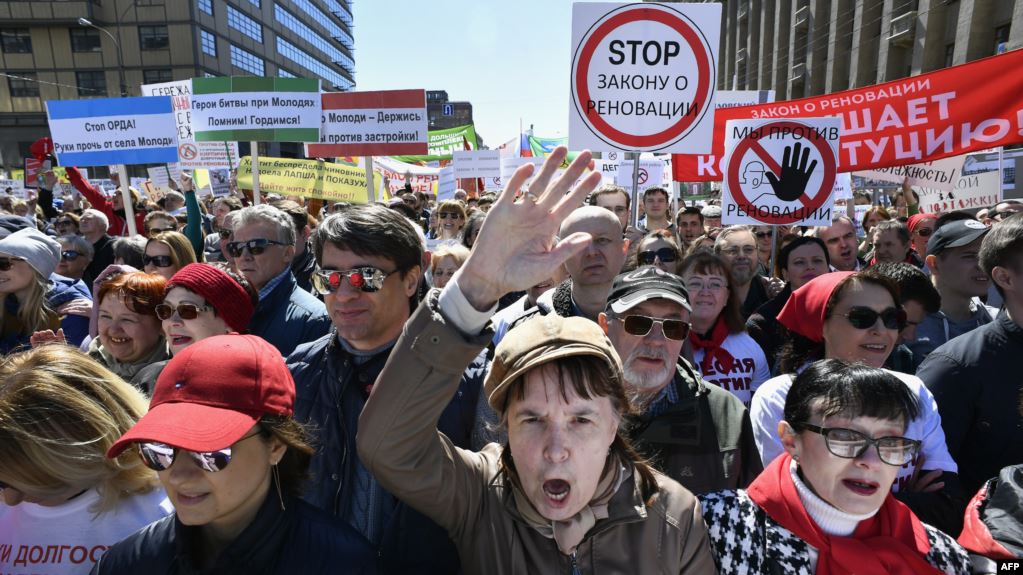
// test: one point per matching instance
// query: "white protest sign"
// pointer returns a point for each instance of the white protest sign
(509, 165)
(446, 184)
(192, 154)
(971, 192)
(138, 183)
(17, 187)
(477, 163)
(939, 175)
(643, 76)
(104, 131)
(220, 183)
(161, 176)
(395, 173)
(388, 122)
(780, 171)
(843, 186)
(860, 211)
(608, 170)
(651, 173)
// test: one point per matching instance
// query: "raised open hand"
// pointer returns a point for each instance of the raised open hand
(518, 245)
(794, 173)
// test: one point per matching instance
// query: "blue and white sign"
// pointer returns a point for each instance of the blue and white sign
(447, 110)
(109, 131)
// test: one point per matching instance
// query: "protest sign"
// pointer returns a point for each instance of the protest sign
(651, 173)
(446, 184)
(780, 171)
(29, 176)
(104, 131)
(971, 192)
(935, 115)
(735, 98)
(477, 163)
(395, 173)
(372, 123)
(307, 178)
(244, 108)
(192, 154)
(17, 187)
(443, 142)
(643, 76)
(162, 176)
(843, 187)
(939, 175)
(537, 147)
(220, 182)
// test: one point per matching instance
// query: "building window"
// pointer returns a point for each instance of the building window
(246, 61)
(1001, 39)
(255, 3)
(153, 37)
(205, 6)
(319, 16)
(244, 24)
(314, 65)
(157, 76)
(208, 42)
(16, 41)
(23, 85)
(950, 51)
(85, 40)
(285, 74)
(289, 21)
(91, 83)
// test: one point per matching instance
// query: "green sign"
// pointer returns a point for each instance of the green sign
(443, 142)
(246, 108)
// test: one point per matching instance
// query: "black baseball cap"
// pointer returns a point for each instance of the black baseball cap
(633, 288)
(955, 235)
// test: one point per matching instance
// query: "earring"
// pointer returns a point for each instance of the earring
(277, 482)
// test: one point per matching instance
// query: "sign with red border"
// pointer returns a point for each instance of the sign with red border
(643, 76)
(780, 172)
(382, 123)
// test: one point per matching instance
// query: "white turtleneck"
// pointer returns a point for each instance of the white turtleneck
(829, 518)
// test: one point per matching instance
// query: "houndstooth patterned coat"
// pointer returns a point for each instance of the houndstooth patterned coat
(745, 541)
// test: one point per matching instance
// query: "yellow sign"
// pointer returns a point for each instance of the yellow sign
(307, 178)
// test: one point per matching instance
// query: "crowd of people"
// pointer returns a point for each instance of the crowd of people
(521, 381)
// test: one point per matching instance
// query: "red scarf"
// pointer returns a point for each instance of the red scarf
(892, 542)
(712, 348)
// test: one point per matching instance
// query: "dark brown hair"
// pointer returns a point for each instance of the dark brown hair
(706, 262)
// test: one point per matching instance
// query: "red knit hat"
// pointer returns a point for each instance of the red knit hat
(220, 290)
(804, 312)
(212, 393)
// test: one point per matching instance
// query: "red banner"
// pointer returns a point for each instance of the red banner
(935, 115)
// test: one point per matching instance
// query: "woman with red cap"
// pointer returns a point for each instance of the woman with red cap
(856, 317)
(221, 436)
(825, 505)
(921, 226)
(200, 301)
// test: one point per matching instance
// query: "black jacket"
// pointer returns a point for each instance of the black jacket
(975, 381)
(765, 329)
(303, 267)
(299, 539)
(331, 391)
(289, 316)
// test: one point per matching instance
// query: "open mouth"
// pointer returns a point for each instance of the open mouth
(119, 340)
(177, 340)
(556, 490)
(860, 487)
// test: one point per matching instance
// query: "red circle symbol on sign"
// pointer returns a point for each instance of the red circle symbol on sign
(188, 151)
(643, 175)
(828, 164)
(704, 83)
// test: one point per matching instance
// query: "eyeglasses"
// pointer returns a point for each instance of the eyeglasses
(225, 232)
(666, 255)
(924, 232)
(640, 325)
(697, 286)
(184, 310)
(747, 251)
(160, 456)
(7, 263)
(850, 444)
(256, 247)
(866, 318)
(158, 261)
(446, 215)
(367, 279)
(70, 255)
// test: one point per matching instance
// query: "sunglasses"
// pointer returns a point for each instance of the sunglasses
(866, 318)
(850, 444)
(256, 247)
(666, 255)
(762, 235)
(7, 263)
(640, 325)
(367, 279)
(225, 232)
(924, 232)
(447, 215)
(184, 310)
(158, 261)
(70, 255)
(160, 456)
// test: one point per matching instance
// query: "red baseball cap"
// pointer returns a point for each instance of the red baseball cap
(212, 393)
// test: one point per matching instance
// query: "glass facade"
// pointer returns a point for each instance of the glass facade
(289, 21)
(244, 24)
(247, 61)
(208, 42)
(205, 6)
(307, 61)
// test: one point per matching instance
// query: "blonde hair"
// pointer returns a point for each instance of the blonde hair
(60, 411)
(457, 252)
(33, 314)
(181, 252)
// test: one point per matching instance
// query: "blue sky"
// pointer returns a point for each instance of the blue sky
(510, 58)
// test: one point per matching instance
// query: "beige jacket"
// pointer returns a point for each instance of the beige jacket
(464, 492)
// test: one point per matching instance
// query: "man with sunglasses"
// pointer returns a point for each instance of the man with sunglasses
(700, 434)
(263, 245)
(953, 259)
(370, 263)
